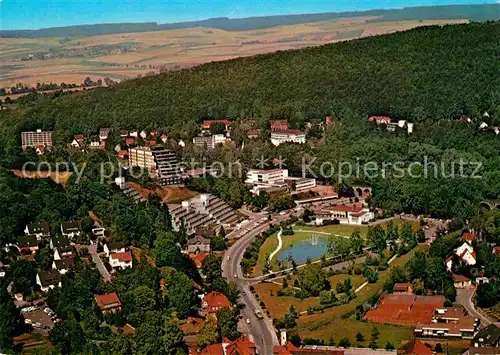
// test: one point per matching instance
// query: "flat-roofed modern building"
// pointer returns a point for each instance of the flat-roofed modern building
(161, 163)
(36, 138)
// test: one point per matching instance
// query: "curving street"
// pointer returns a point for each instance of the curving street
(262, 331)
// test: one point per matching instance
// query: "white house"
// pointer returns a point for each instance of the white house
(71, 229)
(461, 281)
(113, 247)
(63, 252)
(48, 280)
(465, 253)
(288, 136)
(39, 230)
(181, 143)
(63, 265)
(121, 260)
(483, 126)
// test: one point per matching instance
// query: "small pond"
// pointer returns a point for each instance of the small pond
(300, 252)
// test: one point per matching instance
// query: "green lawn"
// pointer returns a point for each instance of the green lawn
(347, 229)
(337, 229)
(316, 322)
(348, 328)
(279, 305)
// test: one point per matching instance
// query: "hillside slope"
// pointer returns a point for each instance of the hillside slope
(423, 73)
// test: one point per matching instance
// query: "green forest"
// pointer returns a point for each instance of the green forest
(430, 76)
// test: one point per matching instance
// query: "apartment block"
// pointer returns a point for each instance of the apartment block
(35, 139)
(161, 163)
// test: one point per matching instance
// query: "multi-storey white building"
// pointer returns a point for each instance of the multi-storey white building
(160, 163)
(35, 139)
(288, 136)
(274, 176)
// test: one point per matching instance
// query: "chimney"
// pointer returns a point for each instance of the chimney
(283, 337)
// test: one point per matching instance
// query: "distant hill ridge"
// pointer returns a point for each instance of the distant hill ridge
(483, 12)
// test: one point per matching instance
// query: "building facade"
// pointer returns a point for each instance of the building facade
(35, 139)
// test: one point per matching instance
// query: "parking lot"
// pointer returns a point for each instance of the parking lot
(42, 319)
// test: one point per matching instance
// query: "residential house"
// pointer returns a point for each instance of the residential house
(63, 265)
(48, 280)
(133, 134)
(290, 349)
(414, 347)
(113, 247)
(212, 302)
(496, 251)
(120, 260)
(108, 303)
(40, 229)
(198, 244)
(488, 337)
(469, 237)
(71, 229)
(279, 125)
(59, 241)
(104, 133)
(164, 137)
(379, 120)
(465, 253)
(198, 259)
(400, 287)
(27, 244)
(205, 126)
(97, 144)
(78, 141)
(143, 134)
(63, 253)
(461, 281)
(181, 143)
(240, 346)
(253, 133)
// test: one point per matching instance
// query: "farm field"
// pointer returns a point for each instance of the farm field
(128, 55)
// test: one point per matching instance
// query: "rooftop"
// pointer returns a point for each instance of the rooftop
(107, 301)
(123, 257)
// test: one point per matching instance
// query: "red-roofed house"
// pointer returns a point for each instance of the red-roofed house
(279, 125)
(461, 281)
(290, 349)
(240, 346)
(108, 303)
(414, 347)
(207, 123)
(212, 302)
(496, 251)
(403, 287)
(121, 260)
(130, 141)
(198, 259)
(469, 237)
(380, 120)
(253, 133)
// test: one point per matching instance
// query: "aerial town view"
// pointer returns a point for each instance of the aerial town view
(273, 177)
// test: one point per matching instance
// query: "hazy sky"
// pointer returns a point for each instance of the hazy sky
(33, 14)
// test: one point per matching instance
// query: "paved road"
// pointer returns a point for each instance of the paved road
(262, 331)
(98, 262)
(464, 297)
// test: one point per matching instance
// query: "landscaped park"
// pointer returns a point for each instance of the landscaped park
(324, 298)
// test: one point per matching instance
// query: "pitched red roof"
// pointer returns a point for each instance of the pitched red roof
(414, 347)
(107, 301)
(469, 237)
(122, 257)
(496, 251)
(240, 346)
(344, 208)
(198, 258)
(279, 125)
(207, 123)
(380, 119)
(215, 301)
